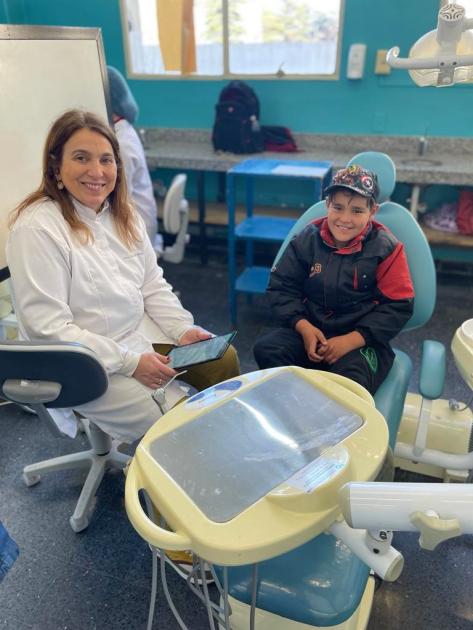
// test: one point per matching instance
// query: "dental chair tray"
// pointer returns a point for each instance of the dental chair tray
(250, 468)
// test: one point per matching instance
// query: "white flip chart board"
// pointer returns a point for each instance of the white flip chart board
(44, 71)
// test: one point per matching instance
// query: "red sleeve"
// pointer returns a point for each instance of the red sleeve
(393, 277)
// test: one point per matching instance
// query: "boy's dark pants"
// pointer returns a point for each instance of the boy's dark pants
(367, 366)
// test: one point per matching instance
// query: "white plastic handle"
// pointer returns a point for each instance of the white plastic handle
(152, 533)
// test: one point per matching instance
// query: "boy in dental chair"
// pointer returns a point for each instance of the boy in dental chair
(341, 289)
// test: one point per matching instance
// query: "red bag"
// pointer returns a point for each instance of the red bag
(278, 139)
(465, 212)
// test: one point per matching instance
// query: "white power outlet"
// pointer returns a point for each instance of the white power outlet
(356, 61)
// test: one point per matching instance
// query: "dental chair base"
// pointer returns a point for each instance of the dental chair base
(334, 589)
(265, 620)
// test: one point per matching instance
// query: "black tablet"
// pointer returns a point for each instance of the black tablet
(200, 351)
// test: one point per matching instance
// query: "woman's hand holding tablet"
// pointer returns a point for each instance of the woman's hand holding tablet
(199, 352)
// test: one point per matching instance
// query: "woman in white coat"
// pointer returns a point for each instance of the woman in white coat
(84, 270)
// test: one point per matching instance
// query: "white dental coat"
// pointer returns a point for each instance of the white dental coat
(110, 298)
(138, 180)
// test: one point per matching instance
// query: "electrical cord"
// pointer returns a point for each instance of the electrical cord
(154, 578)
(453, 404)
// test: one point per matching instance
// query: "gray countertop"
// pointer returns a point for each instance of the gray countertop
(446, 160)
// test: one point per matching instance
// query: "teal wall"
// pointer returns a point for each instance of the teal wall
(376, 104)
(12, 11)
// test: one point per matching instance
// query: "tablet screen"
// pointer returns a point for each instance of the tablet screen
(200, 352)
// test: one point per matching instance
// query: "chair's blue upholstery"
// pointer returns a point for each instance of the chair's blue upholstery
(419, 256)
(432, 369)
(316, 211)
(307, 584)
(320, 583)
(389, 398)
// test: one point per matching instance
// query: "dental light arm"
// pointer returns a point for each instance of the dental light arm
(373, 548)
(441, 51)
(437, 511)
(443, 60)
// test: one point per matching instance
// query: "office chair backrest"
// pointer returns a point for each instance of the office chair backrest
(74, 367)
(173, 202)
(400, 221)
(176, 220)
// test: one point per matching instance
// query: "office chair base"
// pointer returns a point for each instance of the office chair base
(102, 456)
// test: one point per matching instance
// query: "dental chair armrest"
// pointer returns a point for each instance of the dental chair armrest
(432, 369)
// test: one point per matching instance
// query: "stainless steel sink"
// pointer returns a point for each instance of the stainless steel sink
(420, 161)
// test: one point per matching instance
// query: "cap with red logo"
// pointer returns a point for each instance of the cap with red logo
(357, 179)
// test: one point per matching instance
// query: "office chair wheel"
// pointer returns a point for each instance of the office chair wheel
(31, 480)
(79, 524)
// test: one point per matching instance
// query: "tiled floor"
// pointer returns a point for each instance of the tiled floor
(101, 578)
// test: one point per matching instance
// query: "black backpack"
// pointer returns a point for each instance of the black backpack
(236, 128)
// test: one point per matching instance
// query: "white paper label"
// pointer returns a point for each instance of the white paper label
(319, 471)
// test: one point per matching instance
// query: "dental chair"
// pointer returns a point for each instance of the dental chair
(316, 585)
(176, 220)
(325, 581)
(52, 375)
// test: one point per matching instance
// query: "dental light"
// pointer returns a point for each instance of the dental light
(443, 56)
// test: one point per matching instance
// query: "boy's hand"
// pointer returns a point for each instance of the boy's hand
(314, 340)
(337, 347)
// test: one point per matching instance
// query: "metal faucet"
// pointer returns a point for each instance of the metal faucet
(422, 146)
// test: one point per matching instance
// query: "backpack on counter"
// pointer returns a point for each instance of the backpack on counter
(236, 128)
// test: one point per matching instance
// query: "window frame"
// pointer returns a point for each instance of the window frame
(226, 74)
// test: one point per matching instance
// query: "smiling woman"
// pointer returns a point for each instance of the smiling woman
(83, 270)
(64, 151)
(88, 169)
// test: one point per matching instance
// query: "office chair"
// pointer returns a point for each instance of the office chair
(176, 219)
(290, 588)
(7, 315)
(45, 375)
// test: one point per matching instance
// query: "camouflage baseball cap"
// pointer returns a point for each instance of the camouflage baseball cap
(357, 179)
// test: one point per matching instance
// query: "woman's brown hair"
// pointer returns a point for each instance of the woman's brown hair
(61, 131)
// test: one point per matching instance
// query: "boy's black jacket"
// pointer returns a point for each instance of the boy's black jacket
(365, 287)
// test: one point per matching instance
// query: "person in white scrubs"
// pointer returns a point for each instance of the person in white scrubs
(140, 188)
(83, 270)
